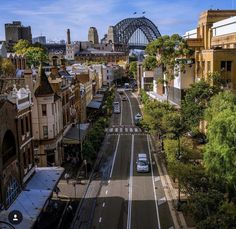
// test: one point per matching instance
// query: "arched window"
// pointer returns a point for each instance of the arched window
(12, 191)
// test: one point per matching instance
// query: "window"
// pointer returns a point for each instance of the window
(22, 127)
(44, 109)
(226, 66)
(13, 189)
(229, 63)
(45, 132)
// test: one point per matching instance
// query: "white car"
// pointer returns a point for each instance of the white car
(137, 118)
(142, 163)
(116, 107)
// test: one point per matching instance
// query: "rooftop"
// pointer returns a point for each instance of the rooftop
(33, 198)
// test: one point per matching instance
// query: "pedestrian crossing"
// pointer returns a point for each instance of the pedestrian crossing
(124, 130)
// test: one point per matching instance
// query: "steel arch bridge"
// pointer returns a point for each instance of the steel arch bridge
(130, 31)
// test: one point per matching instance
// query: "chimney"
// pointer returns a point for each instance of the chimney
(68, 36)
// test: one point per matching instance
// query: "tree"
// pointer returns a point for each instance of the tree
(21, 47)
(171, 53)
(133, 69)
(220, 151)
(7, 68)
(35, 56)
(195, 102)
(150, 63)
(219, 102)
(205, 204)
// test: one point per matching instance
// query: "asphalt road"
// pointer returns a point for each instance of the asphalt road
(127, 199)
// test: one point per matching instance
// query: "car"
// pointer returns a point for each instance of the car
(124, 98)
(137, 118)
(116, 107)
(121, 92)
(142, 163)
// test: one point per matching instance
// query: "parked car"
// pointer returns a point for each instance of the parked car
(142, 163)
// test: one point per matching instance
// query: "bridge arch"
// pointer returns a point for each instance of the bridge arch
(124, 29)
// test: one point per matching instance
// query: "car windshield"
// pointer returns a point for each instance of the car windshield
(142, 163)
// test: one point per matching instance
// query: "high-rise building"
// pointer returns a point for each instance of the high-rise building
(93, 35)
(15, 31)
(39, 39)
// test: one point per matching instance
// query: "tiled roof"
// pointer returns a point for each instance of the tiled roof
(44, 87)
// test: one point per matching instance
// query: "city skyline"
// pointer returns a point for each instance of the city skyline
(52, 19)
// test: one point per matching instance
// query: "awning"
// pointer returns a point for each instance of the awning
(94, 104)
(35, 195)
(75, 135)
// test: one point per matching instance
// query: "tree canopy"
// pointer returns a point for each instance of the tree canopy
(34, 53)
(169, 53)
(195, 102)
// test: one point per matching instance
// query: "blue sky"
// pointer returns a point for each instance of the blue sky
(53, 17)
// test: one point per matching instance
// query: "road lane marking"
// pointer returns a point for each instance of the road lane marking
(130, 186)
(121, 108)
(136, 130)
(126, 129)
(131, 129)
(106, 192)
(121, 129)
(110, 130)
(153, 184)
(157, 179)
(116, 129)
(162, 200)
(114, 157)
(100, 219)
(103, 205)
(131, 110)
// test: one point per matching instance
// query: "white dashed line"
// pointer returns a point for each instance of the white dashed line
(106, 192)
(103, 205)
(157, 179)
(100, 219)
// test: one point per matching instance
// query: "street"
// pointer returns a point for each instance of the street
(123, 198)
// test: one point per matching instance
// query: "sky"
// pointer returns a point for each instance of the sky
(53, 17)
